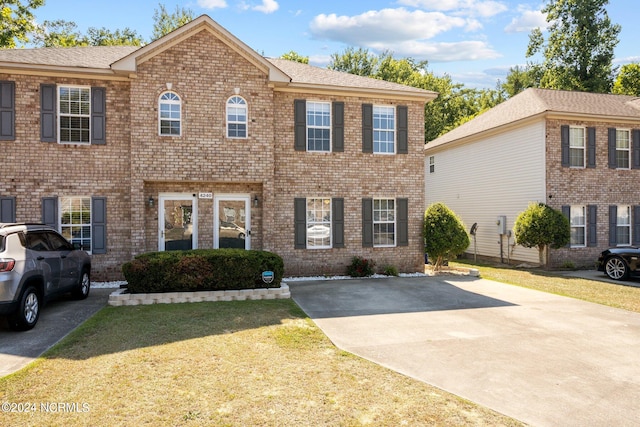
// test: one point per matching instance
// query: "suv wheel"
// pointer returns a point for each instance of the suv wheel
(84, 285)
(28, 311)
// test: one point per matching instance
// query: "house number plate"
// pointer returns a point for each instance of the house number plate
(205, 196)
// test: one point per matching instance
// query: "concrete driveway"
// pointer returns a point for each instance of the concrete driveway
(543, 359)
(57, 319)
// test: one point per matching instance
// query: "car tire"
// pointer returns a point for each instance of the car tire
(28, 312)
(84, 285)
(616, 268)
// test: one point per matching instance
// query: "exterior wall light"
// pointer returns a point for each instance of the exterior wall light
(150, 201)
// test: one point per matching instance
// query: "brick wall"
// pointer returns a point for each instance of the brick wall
(598, 186)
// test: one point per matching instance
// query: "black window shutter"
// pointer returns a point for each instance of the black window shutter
(613, 224)
(636, 225)
(50, 211)
(338, 126)
(564, 144)
(98, 116)
(300, 223)
(612, 148)
(367, 223)
(402, 222)
(591, 147)
(566, 211)
(403, 129)
(300, 124)
(592, 225)
(367, 128)
(635, 148)
(7, 209)
(48, 101)
(7, 111)
(337, 219)
(99, 225)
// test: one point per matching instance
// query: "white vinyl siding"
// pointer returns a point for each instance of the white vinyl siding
(468, 183)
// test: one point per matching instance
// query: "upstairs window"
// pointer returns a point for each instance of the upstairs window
(318, 126)
(576, 147)
(170, 114)
(384, 129)
(623, 148)
(432, 164)
(236, 117)
(74, 118)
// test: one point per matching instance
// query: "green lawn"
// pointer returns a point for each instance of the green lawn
(243, 363)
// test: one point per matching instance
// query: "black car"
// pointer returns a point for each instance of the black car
(620, 263)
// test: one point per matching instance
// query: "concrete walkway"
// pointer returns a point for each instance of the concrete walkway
(540, 358)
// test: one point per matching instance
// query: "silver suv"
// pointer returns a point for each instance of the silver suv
(36, 265)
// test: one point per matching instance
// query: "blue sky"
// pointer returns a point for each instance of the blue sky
(473, 41)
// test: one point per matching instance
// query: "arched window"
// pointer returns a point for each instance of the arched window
(236, 117)
(170, 114)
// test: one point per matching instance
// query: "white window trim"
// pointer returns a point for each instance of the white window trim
(246, 116)
(62, 226)
(330, 127)
(394, 222)
(628, 150)
(394, 130)
(627, 208)
(308, 223)
(59, 114)
(583, 147)
(160, 119)
(583, 225)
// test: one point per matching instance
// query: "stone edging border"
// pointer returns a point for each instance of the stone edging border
(120, 298)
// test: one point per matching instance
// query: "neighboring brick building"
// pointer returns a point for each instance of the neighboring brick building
(195, 140)
(577, 152)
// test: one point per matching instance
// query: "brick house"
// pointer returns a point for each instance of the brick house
(197, 141)
(577, 152)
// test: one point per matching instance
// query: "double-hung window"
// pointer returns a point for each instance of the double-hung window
(432, 164)
(576, 147)
(75, 220)
(236, 117)
(623, 226)
(318, 223)
(318, 126)
(384, 222)
(384, 125)
(623, 148)
(578, 227)
(74, 118)
(170, 114)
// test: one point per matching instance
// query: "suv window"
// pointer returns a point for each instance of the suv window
(58, 243)
(37, 241)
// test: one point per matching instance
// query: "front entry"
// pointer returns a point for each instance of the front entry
(177, 222)
(232, 214)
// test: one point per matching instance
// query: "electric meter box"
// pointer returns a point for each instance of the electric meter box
(501, 223)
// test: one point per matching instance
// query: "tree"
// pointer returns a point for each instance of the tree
(444, 234)
(294, 56)
(16, 21)
(541, 226)
(521, 78)
(63, 33)
(359, 61)
(165, 22)
(579, 51)
(105, 37)
(628, 80)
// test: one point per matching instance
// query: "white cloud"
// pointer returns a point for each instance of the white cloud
(267, 6)
(441, 52)
(212, 4)
(387, 25)
(483, 8)
(527, 21)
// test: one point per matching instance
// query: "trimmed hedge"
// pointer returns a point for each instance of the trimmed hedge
(202, 270)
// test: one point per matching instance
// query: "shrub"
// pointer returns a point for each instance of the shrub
(540, 226)
(390, 270)
(202, 270)
(444, 234)
(360, 267)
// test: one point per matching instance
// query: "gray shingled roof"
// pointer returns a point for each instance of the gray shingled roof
(308, 74)
(533, 101)
(100, 57)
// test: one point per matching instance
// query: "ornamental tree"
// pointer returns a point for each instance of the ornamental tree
(444, 234)
(541, 226)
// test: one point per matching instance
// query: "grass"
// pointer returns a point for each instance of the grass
(625, 295)
(243, 363)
